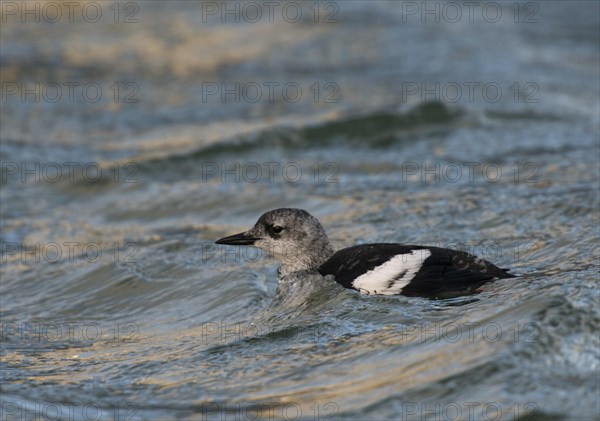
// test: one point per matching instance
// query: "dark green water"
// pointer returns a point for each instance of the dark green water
(116, 304)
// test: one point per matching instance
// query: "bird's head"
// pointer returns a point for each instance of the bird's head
(293, 236)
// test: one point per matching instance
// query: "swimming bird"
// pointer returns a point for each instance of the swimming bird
(298, 240)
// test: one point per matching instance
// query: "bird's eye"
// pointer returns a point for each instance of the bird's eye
(277, 229)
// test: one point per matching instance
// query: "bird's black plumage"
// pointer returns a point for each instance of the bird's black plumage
(444, 273)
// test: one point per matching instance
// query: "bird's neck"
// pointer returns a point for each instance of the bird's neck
(308, 259)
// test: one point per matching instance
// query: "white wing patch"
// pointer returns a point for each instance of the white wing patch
(390, 277)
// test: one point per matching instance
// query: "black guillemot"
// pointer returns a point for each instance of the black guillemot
(297, 239)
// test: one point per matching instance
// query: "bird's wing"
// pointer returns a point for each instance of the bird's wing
(376, 268)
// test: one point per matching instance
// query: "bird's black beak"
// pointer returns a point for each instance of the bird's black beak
(241, 239)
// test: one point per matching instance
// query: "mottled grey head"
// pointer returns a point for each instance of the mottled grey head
(295, 237)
